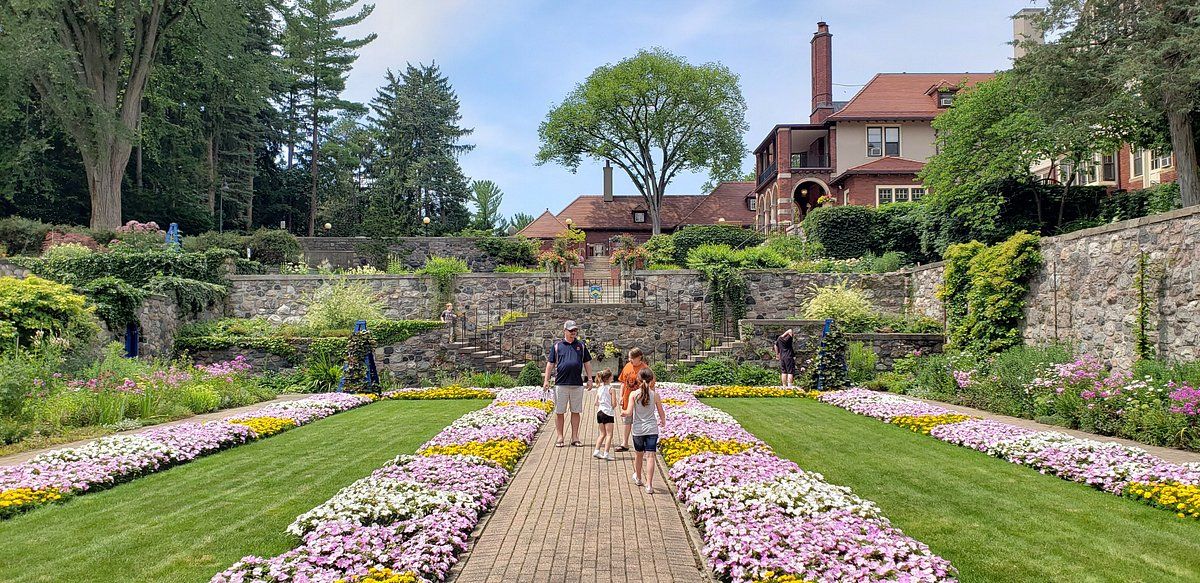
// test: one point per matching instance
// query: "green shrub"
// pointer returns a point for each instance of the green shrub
(661, 249)
(984, 291)
(795, 248)
(21, 236)
(753, 375)
(34, 305)
(135, 267)
(843, 231)
(199, 398)
(860, 360)
(443, 271)
(116, 302)
(714, 371)
(489, 380)
(66, 252)
(517, 250)
(761, 258)
(340, 303)
(886, 263)
(274, 246)
(689, 238)
(897, 227)
(517, 269)
(907, 324)
(662, 373)
(849, 307)
(531, 375)
(243, 266)
(215, 240)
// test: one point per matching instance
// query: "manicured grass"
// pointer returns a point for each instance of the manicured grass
(189, 522)
(994, 520)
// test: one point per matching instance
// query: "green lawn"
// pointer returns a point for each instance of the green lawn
(994, 520)
(189, 522)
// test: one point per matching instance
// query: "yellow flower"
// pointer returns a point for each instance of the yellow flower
(546, 406)
(18, 500)
(674, 449)
(382, 575)
(266, 426)
(447, 392)
(744, 391)
(503, 452)
(1184, 499)
(926, 423)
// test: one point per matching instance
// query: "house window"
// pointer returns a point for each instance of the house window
(901, 195)
(917, 193)
(883, 195)
(1108, 167)
(1160, 160)
(874, 141)
(639, 216)
(897, 193)
(1138, 163)
(945, 99)
(891, 141)
(752, 203)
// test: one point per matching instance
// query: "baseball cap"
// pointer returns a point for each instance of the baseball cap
(570, 325)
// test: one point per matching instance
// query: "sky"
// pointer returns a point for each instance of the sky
(511, 61)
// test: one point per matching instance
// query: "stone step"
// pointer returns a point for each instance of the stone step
(494, 359)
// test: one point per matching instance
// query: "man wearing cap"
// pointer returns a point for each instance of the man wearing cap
(572, 366)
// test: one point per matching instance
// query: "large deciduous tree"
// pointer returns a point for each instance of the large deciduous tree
(322, 59)
(1113, 58)
(89, 62)
(652, 115)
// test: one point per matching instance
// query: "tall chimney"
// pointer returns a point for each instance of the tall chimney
(822, 74)
(608, 191)
(1025, 29)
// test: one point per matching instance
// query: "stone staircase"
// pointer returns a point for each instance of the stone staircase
(726, 345)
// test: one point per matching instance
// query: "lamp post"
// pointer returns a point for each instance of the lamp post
(327, 226)
(425, 222)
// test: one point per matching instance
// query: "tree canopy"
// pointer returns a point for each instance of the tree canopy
(652, 115)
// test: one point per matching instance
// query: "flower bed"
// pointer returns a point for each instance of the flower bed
(1105, 465)
(742, 391)
(111, 460)
(763, 519)
(452, 392)
(409, 520)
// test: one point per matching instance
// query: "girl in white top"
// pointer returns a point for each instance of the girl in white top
(605, 400)
(643, 404)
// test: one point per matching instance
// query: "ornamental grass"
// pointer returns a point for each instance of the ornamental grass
(18, 500)
(503, 452)
(739, 391)
(266, 426)
(1182, 499)
(384, 575)
(926, 423)
(674, 449)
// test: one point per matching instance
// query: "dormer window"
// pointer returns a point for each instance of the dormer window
(945, 98)
(639, 216)
(751, 203)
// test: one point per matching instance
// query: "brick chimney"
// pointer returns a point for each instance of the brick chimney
(1026, 29)
(822, 74)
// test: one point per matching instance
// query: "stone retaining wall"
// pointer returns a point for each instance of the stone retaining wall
(760, 336)
(412, 251)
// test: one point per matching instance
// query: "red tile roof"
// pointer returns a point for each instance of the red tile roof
(903, 96)
(885, 165)
(726, 201)
(545, 226)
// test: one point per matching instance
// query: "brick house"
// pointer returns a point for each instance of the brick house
(865, 151)
(603, 218)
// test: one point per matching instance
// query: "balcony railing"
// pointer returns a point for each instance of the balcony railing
(806, 160)
(767, 174)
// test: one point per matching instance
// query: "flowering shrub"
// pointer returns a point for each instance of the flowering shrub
(111, 460)
(763, 519)
(741, 391)
(449, 392)
(926, 423)
(408, 521)
(266, 426)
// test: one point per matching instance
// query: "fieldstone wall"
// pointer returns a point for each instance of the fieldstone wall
(284, 298)
(924, 282)
(259, 360)
(760, 335)
(420, 357)
(413, 251)
(9, 269)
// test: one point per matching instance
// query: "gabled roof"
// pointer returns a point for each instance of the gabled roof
(903, 96)
(546, 226)
(726, 201)
(885, 165)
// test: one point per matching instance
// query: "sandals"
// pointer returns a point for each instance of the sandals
(576, 444)
(621, 448)
(559, 444)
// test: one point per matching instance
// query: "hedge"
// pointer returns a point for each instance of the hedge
(689, 238)
(843, 231)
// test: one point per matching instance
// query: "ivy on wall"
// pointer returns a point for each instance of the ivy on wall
(984, 291)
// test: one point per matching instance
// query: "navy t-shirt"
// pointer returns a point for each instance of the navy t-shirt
(569, 359)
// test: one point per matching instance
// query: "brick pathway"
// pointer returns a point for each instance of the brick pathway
(568, 517)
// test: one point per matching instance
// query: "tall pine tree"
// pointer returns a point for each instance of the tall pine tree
(416, 121)
(322, 57)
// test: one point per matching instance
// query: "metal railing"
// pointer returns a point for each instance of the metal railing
(805, 160)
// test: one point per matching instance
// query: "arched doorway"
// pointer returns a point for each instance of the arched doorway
(806, 194)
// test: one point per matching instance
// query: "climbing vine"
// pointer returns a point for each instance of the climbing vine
(443, 271)
(984, 291)
(1145, 282)
(831, 370)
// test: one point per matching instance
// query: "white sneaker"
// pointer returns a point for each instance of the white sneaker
(596, 453)
(609, 456)
(649, 489)
(636, 481)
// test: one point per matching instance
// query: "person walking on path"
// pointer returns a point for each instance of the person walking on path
(606, 409)
(786, 353)
(629, 383)
(643, 404)
(449, 318)
(572, 363)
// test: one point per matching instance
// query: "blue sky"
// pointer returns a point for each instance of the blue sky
(512, 60)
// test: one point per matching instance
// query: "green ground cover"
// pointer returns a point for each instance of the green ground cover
(189, 522)
(994, 520)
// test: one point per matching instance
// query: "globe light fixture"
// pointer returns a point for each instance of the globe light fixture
(328, 226)
(425, 220)
(721, 219)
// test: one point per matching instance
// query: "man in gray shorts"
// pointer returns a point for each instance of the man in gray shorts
(573, 365)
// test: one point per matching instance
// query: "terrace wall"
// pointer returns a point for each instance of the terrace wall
(760, 335)
(412, 251)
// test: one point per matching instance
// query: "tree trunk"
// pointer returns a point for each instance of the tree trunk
(210, 154)
(1184, 145)
(312, 195)
(250, 188)
(291, 130)
(104, 184)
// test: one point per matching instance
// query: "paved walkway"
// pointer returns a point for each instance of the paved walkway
(16, 458)
(568, 517)
(1178, 456)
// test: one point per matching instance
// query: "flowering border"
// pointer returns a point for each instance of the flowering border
(412, 518)
(1106, 465)
(59, 474)
(765, 520)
